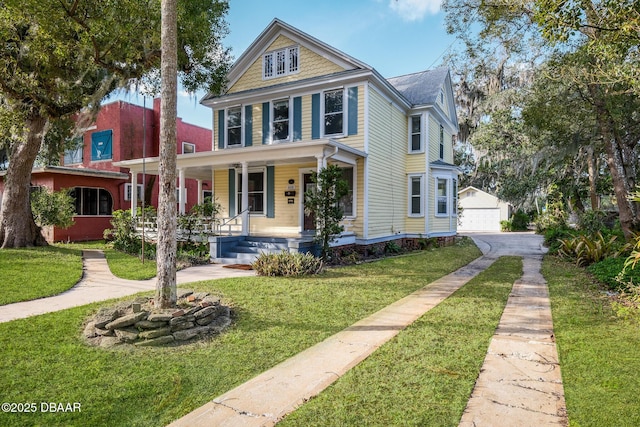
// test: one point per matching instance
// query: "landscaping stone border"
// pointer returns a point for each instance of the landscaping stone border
(198, 315)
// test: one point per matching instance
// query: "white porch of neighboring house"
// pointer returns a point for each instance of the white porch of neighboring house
(202, 166)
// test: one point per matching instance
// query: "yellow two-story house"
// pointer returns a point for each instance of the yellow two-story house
(294, 105)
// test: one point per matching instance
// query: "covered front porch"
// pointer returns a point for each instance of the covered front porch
(260, 188)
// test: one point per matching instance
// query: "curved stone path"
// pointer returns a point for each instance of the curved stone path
(99, 284)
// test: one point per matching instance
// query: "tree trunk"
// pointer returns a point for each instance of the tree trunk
(593, 193)
(17, 227)
(166, 250)
(616, 162)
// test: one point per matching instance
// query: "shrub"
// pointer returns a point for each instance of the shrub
(613, 274)
(554, 235)
(520, 221)
(587, 250)
(52, 208)
(287, 264)
(591, 222)
(392, 247)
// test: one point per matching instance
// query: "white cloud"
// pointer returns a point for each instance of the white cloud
(415, 10)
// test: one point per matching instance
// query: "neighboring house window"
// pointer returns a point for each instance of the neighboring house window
(441, 142)
(416, 194)
(257, 199)
(127, 191)
(416, 134)
(102, 145)
(334, 112)
(92, 201)
(346, 203)
(280, 62)
(74, 154)
(441, 196)
(207, 194)
(234, 127)
(280, 124)
(188, 148)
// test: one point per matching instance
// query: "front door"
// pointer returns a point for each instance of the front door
(309, 219)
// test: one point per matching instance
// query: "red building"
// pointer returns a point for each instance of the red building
(121, 131)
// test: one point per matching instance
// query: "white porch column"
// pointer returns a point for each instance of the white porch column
(199, 191)
(322, 163)
(181, 191)
(245, 199)
(134, 193)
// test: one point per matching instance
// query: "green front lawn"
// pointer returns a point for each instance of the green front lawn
(425, 375)
(44, 359)
(33, 273)
(599, 353)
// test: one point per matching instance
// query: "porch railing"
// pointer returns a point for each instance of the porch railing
(233, 225)
(201, 226)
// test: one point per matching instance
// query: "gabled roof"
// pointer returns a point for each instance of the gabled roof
(421, 88)
(277, 28)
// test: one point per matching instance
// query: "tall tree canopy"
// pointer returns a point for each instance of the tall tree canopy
(59, 57)
(589, 53)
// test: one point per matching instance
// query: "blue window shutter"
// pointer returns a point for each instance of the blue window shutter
(266, 126)
(315, 116)
(297, 118)
(248, 126)
(101, 145)
(220, 129)
(271, 203)
(353, 111)
(232, 192)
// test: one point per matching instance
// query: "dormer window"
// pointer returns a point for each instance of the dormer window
(281, 62)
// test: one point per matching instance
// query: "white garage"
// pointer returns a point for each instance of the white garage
(481, 211)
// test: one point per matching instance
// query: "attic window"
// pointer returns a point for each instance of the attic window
(280, 63)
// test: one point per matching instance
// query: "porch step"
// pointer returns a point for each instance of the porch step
(248, 250)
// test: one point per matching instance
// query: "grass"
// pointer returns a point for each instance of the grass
(599, 352)
(45, 360)
(33, 273)
(425, 375)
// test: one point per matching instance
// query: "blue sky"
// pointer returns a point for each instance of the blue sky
(395, 37)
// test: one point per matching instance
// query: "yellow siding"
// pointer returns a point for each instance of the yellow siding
(310, 65)
(286, 219)
(355, 141)
(416, 163)
(306, 117)
(387, 185)
(434, 139)
(221, 190)
(415, 225)
(257, 125)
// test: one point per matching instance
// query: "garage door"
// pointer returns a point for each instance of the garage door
(480, 220)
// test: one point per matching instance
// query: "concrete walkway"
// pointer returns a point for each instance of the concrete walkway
(520, 382)
(99, 284)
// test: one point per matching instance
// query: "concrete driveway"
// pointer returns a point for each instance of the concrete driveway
(524, 244)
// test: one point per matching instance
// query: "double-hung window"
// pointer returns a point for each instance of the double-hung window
(234, 127)
(416, 134)
(416, 194)
(281, 62)
(441, 197)
(334, 112)
(257, 197)
(280, 124)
